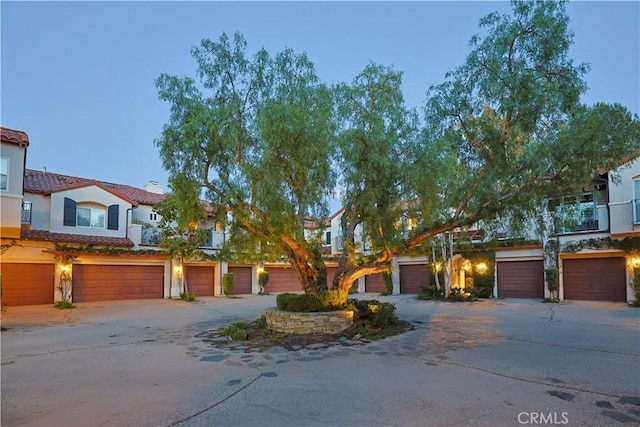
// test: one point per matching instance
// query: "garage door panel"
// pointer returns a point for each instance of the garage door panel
(595, 279)
(413, 278)
(374, 283)
(521, 279)
(26, 284)
(282, 280)
(117, 282)
(241, 280)
(200, 279)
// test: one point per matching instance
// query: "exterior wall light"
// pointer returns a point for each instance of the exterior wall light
(635, 261)
(481, 267)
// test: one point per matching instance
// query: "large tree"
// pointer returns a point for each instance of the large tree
(269, 142)
(257, 134)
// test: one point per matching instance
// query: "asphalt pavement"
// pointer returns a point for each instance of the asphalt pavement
(488, 363)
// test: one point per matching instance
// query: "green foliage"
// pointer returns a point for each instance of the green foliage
(387, 278)
(379, 313)
(263, 280)
(63, 305)
(184, 296)
(483, 271)
(298, 302)
(635, 285)
(461, 295)
(332, 299)
(236, 331)
(430, 292)
(227, 284)
(552, 277)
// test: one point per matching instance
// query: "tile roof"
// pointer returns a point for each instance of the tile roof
(47, 182)
(14, 136)
(47, 236)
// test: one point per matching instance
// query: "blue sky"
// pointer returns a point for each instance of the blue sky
(78, 77)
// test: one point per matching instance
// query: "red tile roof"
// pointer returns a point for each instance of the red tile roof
(14, 136)
(47, 182)
(47, 236)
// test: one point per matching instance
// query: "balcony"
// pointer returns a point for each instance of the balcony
(151, 236)
(636, 211)
(25, 218)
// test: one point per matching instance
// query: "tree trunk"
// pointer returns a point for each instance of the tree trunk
(308, 265)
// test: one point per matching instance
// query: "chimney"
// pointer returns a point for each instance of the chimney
(153, 187)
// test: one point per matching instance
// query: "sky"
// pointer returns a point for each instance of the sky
(78, 77)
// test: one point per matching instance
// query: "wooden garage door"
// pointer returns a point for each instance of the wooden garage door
(374, 283)
(595, 279)
(117, 282)
(241, 280)
(200, 279)
(282, 280)
(24, 284)
(521, 279)
(331, 273)
(413, 278)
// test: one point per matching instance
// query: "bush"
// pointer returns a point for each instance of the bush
(635, 285)
(484, 291)
(387, 278)
(63, 305)
(430, 292)
(379, 313)
(553, 279)
(263, 279)
(298, 303)
(333, 299)
(460, 295)
(184, 296)
(237, 331)
(227, 284)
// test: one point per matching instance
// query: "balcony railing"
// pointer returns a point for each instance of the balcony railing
(152, 237)
(636, 211)
(26, 213)
(583, 219)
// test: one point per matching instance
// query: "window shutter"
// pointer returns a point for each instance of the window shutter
(69, 217)
(112, 217)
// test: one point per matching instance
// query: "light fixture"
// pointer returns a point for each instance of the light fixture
(481, 267)
(635, 261)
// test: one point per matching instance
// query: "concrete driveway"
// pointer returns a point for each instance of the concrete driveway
(491, 363)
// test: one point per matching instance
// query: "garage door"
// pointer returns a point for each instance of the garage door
(282, 280)
(24, 284)
(331, 273)
(117, 282)
(241, 280)
(374, 283)
(200, 279)
(595, 279)
(521, 279)
(413, 278)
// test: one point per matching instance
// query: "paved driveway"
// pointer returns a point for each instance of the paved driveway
(491, 363)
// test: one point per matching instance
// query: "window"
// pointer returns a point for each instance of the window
(89, 217)
(153, 216)
(327, 238)
(4, 174)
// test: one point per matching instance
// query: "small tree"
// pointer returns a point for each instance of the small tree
(227, 284)
(263, 279)
(180, 213)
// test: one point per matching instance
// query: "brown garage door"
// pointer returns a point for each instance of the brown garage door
(595, 279)
(331, 273)
(521, 279)
(117, 282)
(282, 280)
(24, 284)
(374, 283)
(241, 280)
(413, 278)
(200, 279)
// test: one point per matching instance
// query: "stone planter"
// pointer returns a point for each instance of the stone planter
(326, 322)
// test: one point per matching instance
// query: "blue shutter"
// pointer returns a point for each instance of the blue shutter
(113, 214)
(69, 217)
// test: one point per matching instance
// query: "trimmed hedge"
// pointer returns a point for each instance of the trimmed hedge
(331, 300)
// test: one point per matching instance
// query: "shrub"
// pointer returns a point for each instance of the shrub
(263, 279)
(333, 299)
(552, 276)
(484, 291)
(460, 295)
(298, 302)
(63, 305)
(635, 285)
(237, 331)
(379, 313)
(184, 296)
(430, 292)
(387, 278)
(227, 284)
